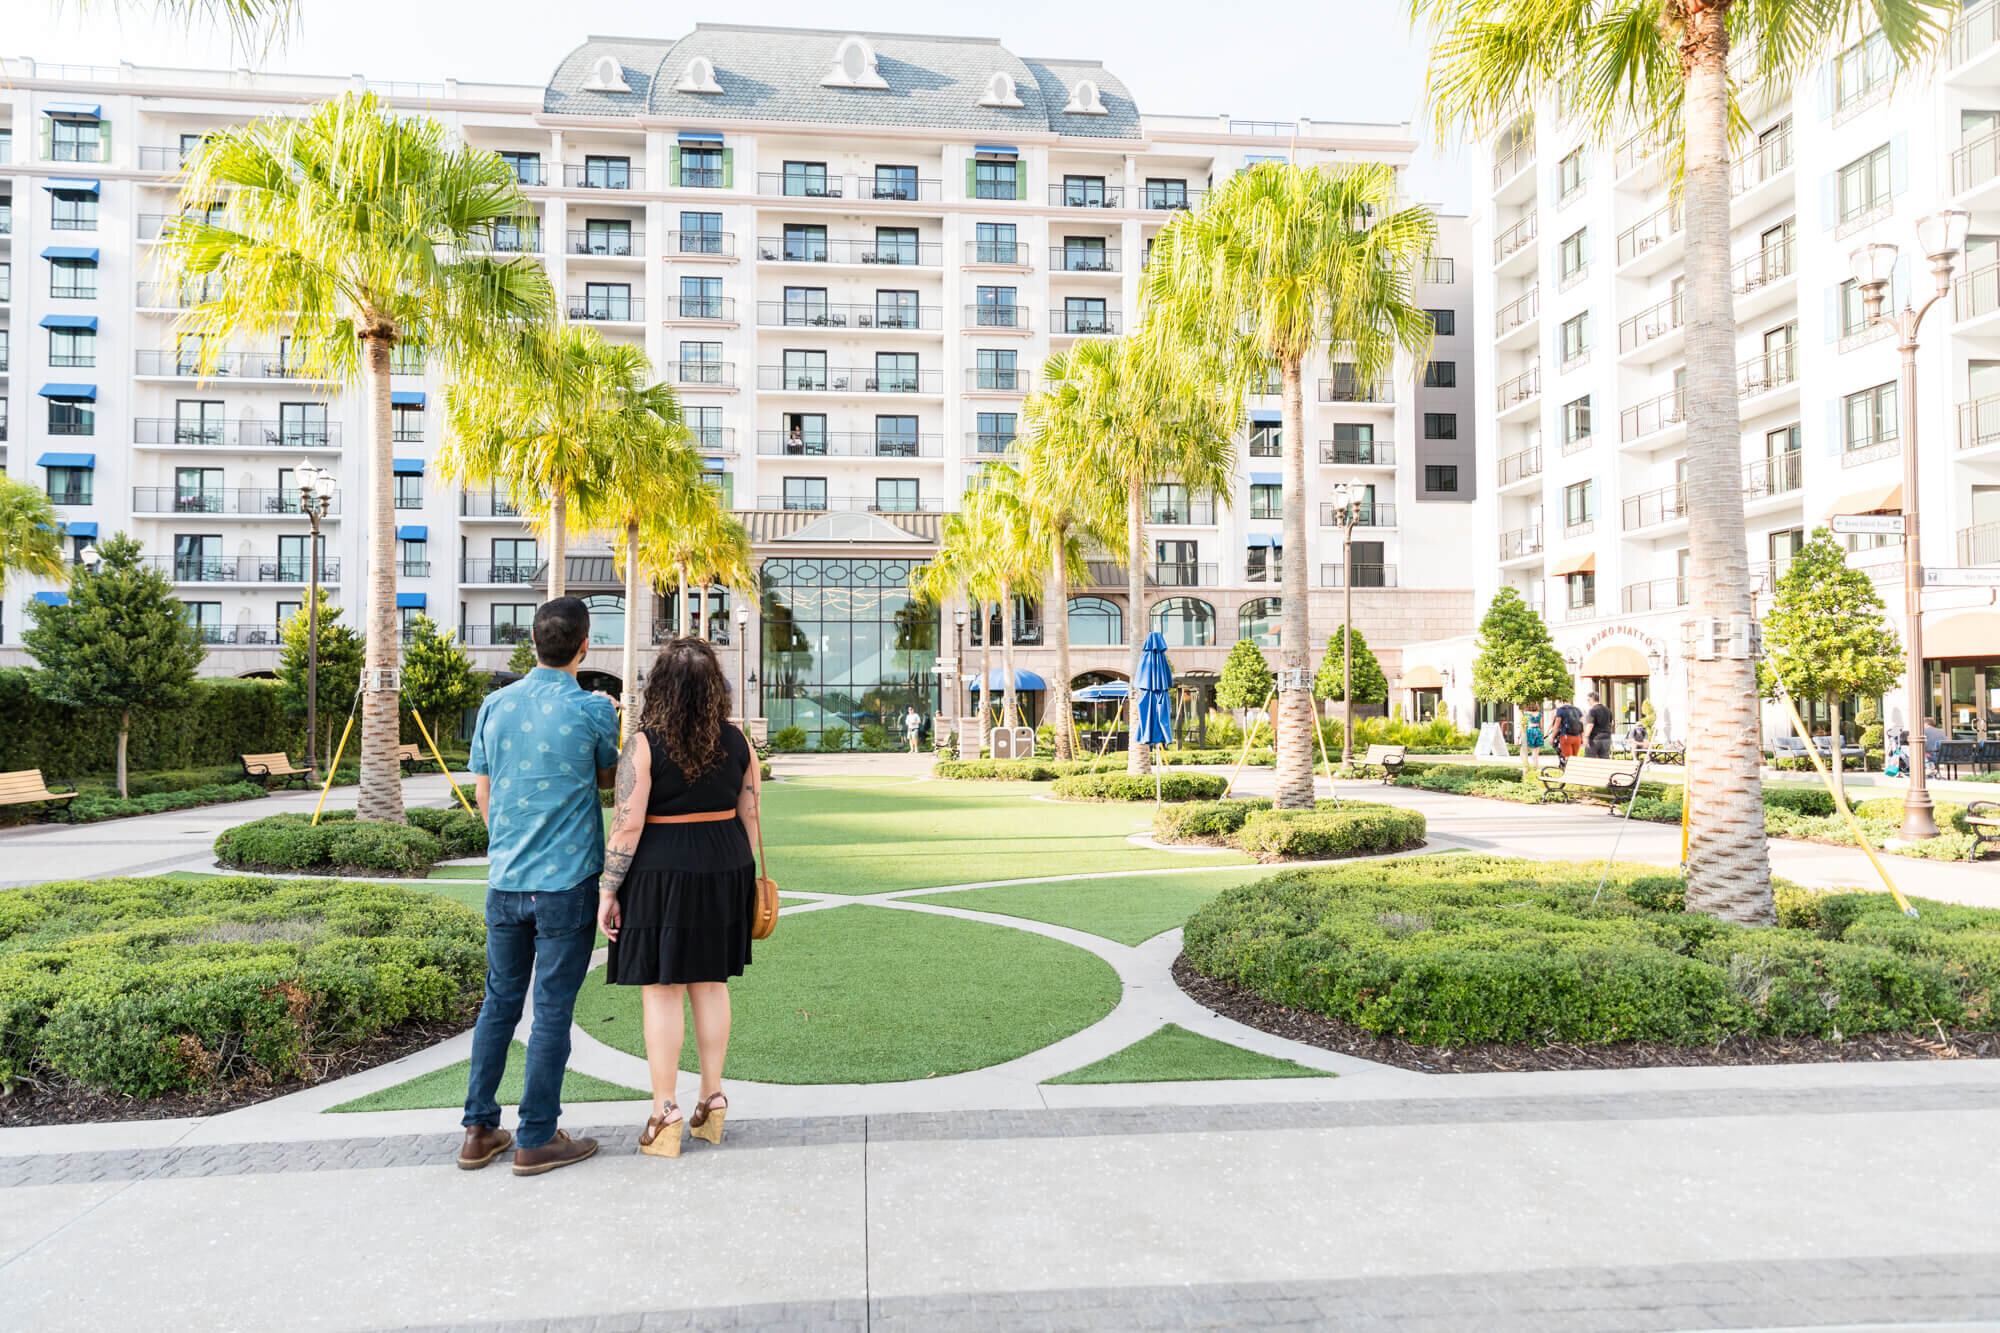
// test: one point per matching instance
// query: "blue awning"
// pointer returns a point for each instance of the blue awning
(699, 136)
(68, 186)
(69, 321)
(406, 398)
(711, 464)
(1023, 680)
(71, 252)
(80, 529)
(408, 467)
(415, 599)
(52, 598)
(92, 109)
(67, 460)
(1260, 539)
(1264, 416)
(1003, 150)
(1267, 478)
(413, 532)
(1111, 689)
(86, 391)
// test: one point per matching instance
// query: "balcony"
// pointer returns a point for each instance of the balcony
(1010, 318)
(492, 636)
(1756, 178)
(1089, 193)
(998, 379)
(153, 158)
(619, 244)
(175, 363)
(1976, 296)
(1365, 576)
(991, 446)
(1169, 196)
(1653, 416)
(868, 504)
(702, 309)
(1516, 238)
(1972, 53)
(702, 244)
(487, 504)
(704, 374)
(849, 444)
(1520, 467)
(819, 250)
(1758, 280)
(242, 636)
(244, 501)
(235, 434)
(1521, 543)
(413, 569)
(1187, 514)
(714, 440)
(1979, 422)
(1513, 396)
(1518, 316)
(615, 175)
(1576, 615)
(498, 571)
(1349, 389)
(1513, 158)
(803, 185)
(1650, 509)
(607, 309)
(1372, 514)
(1183, 574)
(1775, 476)
(175, 296)
(837, 315)
(1651, 243)
(1005, 254)
(245, 569)
(1082, 259)
(1072, 323)
(1768, 372)
(1653, 595)
(1979, 544)
(849, 379)
(508, 240)
(1651, 327)
(74, 496)
(1357, 453)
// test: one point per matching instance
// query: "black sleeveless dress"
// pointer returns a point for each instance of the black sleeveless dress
(687, 904)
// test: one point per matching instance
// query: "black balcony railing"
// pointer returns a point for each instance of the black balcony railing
(998, 379)
(613, 244)
(242, 636)
(1091, 193)
(612, 308)
(1010, 253)
(486, 504)
(413, 569)
(604, 176)
(266, 502)
(1191, 513)
(714, 439)
(244, 569)
(1182, 574)
(712, 374)
(721, 309)
(1170, 195)
(236, 434)
(72, 495)
(509, 240)
(848, 444)
(1365, 576)
(984, 316)
(181, 363)
(1369, 514)
(492, 636)
(846, 315)
(1083, 321)
(1347, 389)
(814, 249)
(498, 571)
(1083, 259)
(814, 504)
(992, 444)
(1357, 453)
(803, 185)
(847, 379)
(719, 244)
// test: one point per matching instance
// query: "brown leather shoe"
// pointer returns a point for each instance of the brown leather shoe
(482, 1144)
(562, 1150)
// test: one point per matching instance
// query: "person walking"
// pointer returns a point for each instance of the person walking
(913, 723)
(1598, 744)
(1569, 731)
(541, 747)
(1531, 730)
(678, 897)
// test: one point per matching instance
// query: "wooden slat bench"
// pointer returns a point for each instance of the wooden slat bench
(1983, 818)
(406, 755)
(1608, 780)
(1387, 758)
(27, 788)
(278, 765)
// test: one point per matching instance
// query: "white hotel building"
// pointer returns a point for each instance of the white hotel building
(850, 255)
(1581, 434)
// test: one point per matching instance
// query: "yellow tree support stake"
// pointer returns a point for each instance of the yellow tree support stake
(456, 790)
(1249, 734)
(334, 767)
(1840, 800)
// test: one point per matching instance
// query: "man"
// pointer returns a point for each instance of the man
(913, 723)
(1598, 744)
(540, 750)
(1569, 731)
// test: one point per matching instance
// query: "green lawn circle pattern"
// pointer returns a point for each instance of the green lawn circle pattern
(948, 996)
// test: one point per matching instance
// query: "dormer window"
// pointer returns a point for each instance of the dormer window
(698, 77)
(1084, 100)
(853, 66)
(1000, 90)
(606, 76)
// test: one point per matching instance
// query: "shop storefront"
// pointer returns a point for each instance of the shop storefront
(844, 644)
(1962, 671)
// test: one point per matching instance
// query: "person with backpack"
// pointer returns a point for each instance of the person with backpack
(1569, 731)
(1598, 743)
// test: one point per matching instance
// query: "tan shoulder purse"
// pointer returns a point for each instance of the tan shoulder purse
(764, 915)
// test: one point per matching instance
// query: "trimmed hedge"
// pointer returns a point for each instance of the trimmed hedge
(342, 845)
(1355, 829)
(1140, 786)
(1205, 821)
(224, 719)
(91, 808)
(149, 986)
(1496, 950)
(1007, 770)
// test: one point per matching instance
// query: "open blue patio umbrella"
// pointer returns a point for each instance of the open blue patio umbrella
(1152, 705)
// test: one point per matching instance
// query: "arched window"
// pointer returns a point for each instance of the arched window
(698, 77)
(606, 76)
(1000, 90)
(1185, 622)
(1257, 621)
(1084, 100)
(854, 66)
(607, 618)
(1095, 622)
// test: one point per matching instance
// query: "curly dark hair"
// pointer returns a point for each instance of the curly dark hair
(687, 705)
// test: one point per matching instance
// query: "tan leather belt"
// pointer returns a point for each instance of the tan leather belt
(699, 817)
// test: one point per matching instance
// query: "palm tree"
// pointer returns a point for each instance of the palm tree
(348, 232)
(965, 564)
(1072, 507)
(539, 421)
(30, 533)
(1281, 262)
(1665, 70)
(252, 24)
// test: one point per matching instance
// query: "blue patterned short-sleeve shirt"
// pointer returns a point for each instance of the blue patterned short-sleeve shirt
(540, 742)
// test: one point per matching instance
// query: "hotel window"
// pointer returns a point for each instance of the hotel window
(895, 437)
(300, 425)
(515, 559)
(1573, 257)
(73, 210)
(701, 298)
(68, 348)
(1576, 420)
(1166, 193)
(1441, 375)
(1440, 477)
(804, 306)
(1870, 416)
(527, 167)
(1085, 314)
(406, 358)
(73, 279)
(995, 178)
(1267, 501)
(896, 372)
(896, 495)
(413, 559)
(1575, 336)
(804, 243)
(606, 300)
(1355, 443)
(1083, 191)
(805, 493)
(995, 432)
(1167, 502)
(607, 236)
(896, 182)
(701, 233)
(1864, 184)
(295, 558)
(1440, 425)
(1582, 590)
(287, 610)
(804, 369)
(408, 617)
(72, 416)
(1083, 254)
(206, 617)
(705, 426)
(701, 363)
(995, 369)
(807, 179)
(1569, 175)
(996, 308)
(1263, 564)
(70, 485)
(1781, 546)
(409, 490)
(1444, 323)
(512, 622)
(895, 245)
(701, 166)
(1853, 312)
(408, 422)
(1267, 440)
(607, 173)
(896, 309)
(1579, 504)
(993, 243)
(1441, 272)
(75, 139)
(1861, 68)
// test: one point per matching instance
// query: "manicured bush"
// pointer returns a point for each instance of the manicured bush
(1355, 828)
(225, 718)
(1482, 949)
(1140, 787)
(1008, 770)
(875, 736)
(1205, 821)
(788, 738)
(148, 986)
(339, 845)
(833, 738)
(91, 808)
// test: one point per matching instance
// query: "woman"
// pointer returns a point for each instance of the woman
(1531, 729)
(679, 890)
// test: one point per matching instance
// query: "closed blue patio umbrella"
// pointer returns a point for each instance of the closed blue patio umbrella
(1152, 719)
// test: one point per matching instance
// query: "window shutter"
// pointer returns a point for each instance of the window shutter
(1833, 428)
(1829, 201)
(104, 140)
(1899, 164)
(1826, 87)
(729, 168)
(1020, 180)
(1899, 282)
(1833, 314)
(971, 178)
(674, 164)
(48, 135)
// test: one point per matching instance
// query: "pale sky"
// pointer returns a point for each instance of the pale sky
(1260, 60)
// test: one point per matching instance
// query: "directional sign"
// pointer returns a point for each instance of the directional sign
(1986, 576)
(1890, 525)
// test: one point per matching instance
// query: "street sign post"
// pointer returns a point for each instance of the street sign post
(1986, 576)
(1886, 525)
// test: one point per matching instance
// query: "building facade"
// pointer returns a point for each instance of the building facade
(850, 255)
(1582, 433)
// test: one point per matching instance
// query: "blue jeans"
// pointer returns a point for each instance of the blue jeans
(549, 935)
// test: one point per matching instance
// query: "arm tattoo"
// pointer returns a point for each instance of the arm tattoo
(627, 780)
(616, 865)
(618, 855)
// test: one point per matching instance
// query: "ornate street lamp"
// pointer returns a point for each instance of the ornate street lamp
(315, 498)
(1347, 512)
(1941, 236)
(742, 658)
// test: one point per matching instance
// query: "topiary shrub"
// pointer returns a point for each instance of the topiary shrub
(876, 737)
(833, 738)
(1007, 770)
(1205, 821)
(460, 834)
(338, 845)
(1140, 787)
(788, 738)
(1354, 829)
(147, 986)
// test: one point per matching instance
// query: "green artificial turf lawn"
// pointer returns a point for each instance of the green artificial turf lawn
(851, 780)
(459, 872)
(1130, 909)
(444, 1089)
(876, 995)
(1175, 1055)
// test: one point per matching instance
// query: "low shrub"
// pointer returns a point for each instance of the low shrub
(874, 736)
(1205, 821)
(833, 738)
(1353, 829)
(1485, 949)
(339, 845)
(1007, 770)
(1140, 787)
(90, 808)
(788, 738)
(148, 986)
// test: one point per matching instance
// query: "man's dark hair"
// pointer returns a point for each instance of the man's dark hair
(1593, 693)
(561, 626)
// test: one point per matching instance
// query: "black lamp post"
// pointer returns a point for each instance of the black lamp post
(742, 658)
(315, 498)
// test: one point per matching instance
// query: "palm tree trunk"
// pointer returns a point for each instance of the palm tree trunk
(558, 546)
(381, 793)
(686, 628)
(985, 676)
(1055, 616)
(1137, 758)
(1010, 711)
(124, 744)
(1837, 764)
(1295, 708)
(1729, 870)
(628, 665)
